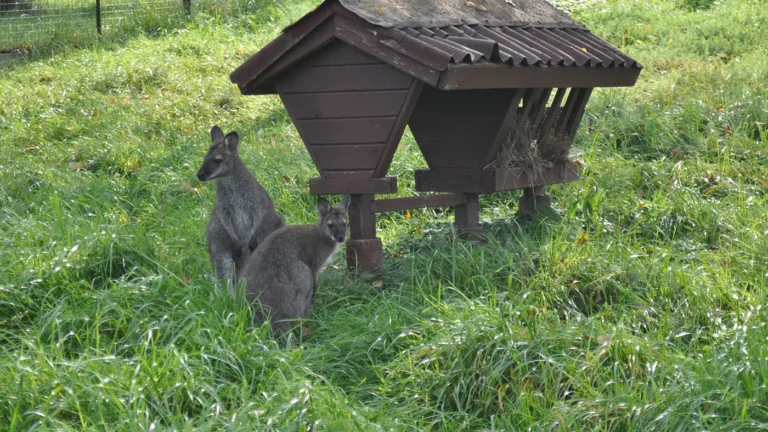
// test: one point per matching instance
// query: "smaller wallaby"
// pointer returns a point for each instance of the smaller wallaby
(282, 274)
(243, 215)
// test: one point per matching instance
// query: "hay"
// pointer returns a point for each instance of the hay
(522, 149)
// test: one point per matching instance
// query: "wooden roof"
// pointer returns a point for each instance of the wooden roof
(468, 48)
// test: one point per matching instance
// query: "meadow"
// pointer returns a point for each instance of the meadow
(642, 307)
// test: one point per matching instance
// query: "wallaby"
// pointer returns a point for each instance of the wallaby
(282, 274)
(243, 215)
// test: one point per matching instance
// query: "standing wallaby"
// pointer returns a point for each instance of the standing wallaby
(243, 215)
(282, 274)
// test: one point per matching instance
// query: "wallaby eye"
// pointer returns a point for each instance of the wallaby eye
(330, 223)
(218, 159)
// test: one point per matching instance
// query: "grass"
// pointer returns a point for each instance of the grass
(642, 309)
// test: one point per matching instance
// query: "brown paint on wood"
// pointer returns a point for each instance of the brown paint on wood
(398, 204)
(551, 115)
(355, 34)
(339, 53)
(344, 78)
(385, 103)
(320, 37)
(399, 127)
(568, 109)
(352, 185)
(575, 120)
(491, 180)
(538, 109)
(486, 76)
(468, 130)
(463, 104)
(348, 157)
(299, 129)
(506, 123)
(361, 218)
(453, 154)
(467, 216)
(364, 255)
(347, 131)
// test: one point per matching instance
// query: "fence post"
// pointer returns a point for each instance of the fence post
(188, 6)
(98, 16)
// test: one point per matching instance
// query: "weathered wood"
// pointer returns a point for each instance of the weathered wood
(506, 123)
(320, 37)
(463, 104)
(458, 129)
(575, 120)
(454, 154)
(358, 36)
(365, 255)
(396, 132)
(482, 76)
(456, 180)
(538, 110)
(398, 204)
(344, 78)
(257, 63)
(361, 218)
(384, 103)
(491, 180)
(568, 109)
(339, 53)
(347, 131)
(352, 185)
(551, 115)
(347, 157)
(467, 218)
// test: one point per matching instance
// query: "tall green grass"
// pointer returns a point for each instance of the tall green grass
(642, 309)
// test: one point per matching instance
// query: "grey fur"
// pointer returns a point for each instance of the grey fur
(282, 274)
(243, 215)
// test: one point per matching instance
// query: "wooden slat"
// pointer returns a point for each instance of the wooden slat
(317, 40)
(397, 130)
(398, 204)
(476, 76)
(352, 185)
(538, 109)
(490, 180)
(344, 78)
(350, 30)
(551, 115)
(573, 123)
(568, 109)
(506, 123)
(347, 131)
(385, 103)
(463, 104)
(348, 157)
(468, 130)
(339, 53)
(454, 155)
(456, 180)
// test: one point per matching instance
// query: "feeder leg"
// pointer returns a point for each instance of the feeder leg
(364, 250)
(467, 219)
(532, 197)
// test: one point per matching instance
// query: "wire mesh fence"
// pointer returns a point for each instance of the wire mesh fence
(29, 23)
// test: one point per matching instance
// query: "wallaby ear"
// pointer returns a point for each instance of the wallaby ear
(344, 204)
(232, 140)
(216, 134)
(323, 207)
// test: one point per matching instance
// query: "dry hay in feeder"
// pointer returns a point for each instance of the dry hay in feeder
(523, 149)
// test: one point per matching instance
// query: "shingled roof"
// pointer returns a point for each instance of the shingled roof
(506, 43)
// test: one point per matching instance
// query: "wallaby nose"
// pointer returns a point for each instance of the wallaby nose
(340, 238)
(200, 176)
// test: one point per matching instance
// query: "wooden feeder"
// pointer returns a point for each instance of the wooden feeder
(465, 76)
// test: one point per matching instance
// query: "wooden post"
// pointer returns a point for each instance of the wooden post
(98, 16)
(467, 218)
(532, 197)
(364, 251)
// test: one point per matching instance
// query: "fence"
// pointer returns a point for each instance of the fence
(30, 23)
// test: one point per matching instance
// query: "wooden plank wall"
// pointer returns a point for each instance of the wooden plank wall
(456, 129)
(345, 104)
